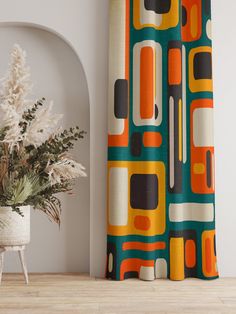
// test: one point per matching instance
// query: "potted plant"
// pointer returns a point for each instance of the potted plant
(35, 164)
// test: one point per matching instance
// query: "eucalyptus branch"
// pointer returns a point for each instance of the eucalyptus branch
(30, 114)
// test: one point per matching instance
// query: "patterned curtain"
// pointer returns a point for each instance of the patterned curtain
(161, 208)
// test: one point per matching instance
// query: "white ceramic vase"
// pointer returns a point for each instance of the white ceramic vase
(14, 229)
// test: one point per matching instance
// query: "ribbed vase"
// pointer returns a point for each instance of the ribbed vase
(14, 228)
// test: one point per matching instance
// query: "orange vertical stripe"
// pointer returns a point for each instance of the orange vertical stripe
(190, 253)
(174, 66)
(208, 255)
(146, 82)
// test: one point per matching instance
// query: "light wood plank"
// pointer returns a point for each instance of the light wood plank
(79, 293)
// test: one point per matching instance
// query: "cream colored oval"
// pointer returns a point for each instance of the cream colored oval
(208, 29)
(110, 262)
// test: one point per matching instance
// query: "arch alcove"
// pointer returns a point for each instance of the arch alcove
(84, 26)
(57, 74)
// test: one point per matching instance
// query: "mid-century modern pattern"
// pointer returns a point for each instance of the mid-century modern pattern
(161, 208)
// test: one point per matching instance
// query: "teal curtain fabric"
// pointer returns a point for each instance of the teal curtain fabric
(161, 211)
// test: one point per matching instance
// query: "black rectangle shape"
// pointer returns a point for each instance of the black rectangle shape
(184, 16)
(131, 274)
(202, 66)
(158, 6)
(144, 191)
(207, 7)
(208, 169)
(136, 144)
(121, 99)
(111, 249)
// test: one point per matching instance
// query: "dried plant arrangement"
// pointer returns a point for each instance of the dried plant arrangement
(35, 160)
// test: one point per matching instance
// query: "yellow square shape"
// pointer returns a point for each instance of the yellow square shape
(122, 218)
(148, 18)
(198, 85)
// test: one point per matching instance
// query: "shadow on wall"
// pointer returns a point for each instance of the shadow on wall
(57, 74)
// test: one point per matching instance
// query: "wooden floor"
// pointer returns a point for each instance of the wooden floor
(71, 293)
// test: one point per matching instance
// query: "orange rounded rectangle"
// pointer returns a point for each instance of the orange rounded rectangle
(146, 82)
(174, 66)
(200, 169)
(152, 139)
(190, 253)
(142, 222)
(141, 246)
(192, 27)
(209, 262)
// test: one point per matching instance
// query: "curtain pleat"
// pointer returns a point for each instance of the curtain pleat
(160, 207)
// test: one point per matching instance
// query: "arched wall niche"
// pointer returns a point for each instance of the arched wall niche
(57, 73)
(84, 25)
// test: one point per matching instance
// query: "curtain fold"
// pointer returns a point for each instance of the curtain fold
(161, 211)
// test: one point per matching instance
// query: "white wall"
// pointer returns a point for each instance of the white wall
(224, 44)
(85, 25)
(57, 74)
